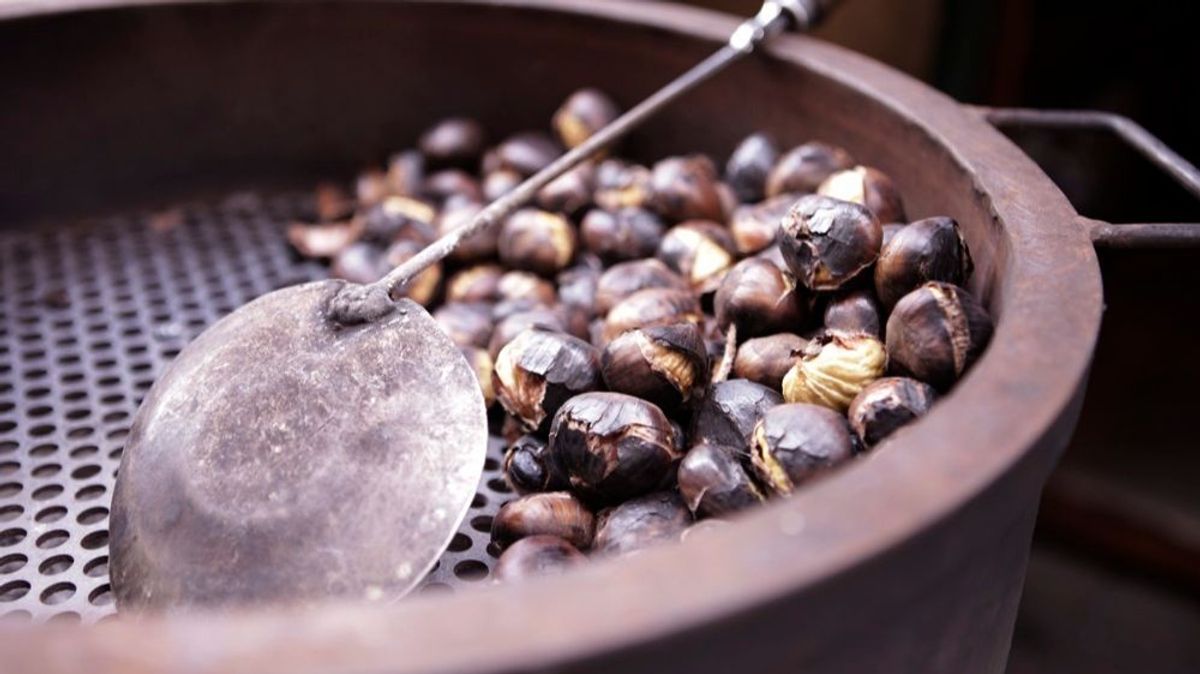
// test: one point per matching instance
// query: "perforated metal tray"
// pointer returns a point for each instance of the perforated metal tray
(90, 313)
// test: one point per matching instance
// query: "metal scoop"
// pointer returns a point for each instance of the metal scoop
(326, 440)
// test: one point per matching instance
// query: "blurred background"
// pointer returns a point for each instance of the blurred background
(1114, 579)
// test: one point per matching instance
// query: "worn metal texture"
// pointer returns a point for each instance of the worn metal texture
(908, 560)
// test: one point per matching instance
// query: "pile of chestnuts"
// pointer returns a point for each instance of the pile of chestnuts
(662, 344)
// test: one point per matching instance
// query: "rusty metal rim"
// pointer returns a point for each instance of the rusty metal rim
(1011, 401)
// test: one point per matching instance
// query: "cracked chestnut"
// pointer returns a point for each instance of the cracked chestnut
(834, 368)
(555, 513)
(651, 307)
(826, 242)
(766, 360)
(507, 328)
(936, 332)
(756, 226)
(624, 234)
(476, 248)
(887, 404)
(805, 167)
(466, 323)
(700, 251)
(536, 556)
(583, 114)
(795, 442)
(729, 412)
(869, 187)
(569, 193)
(480, 283)
(643, 522)
(667, 364)
(537, 241)
(760, 299)
(620, 185)
(539, 370)
(530, 467)
(713, 482)
(396, 218)
(686, 188)
(932, 249)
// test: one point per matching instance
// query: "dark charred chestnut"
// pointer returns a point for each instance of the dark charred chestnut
(536, 372)
(360, 262)
(523, 285)
(621, 185)
(756, 226)
(569, 193)
(525, 153)
(766, 360)
(804, 168)
(498, 183)
(467, 324)
(625, 234)
(480, 246)
(713, 482)
(458, 141)
(796, 442)
(398, 218)
(577, 288)
(748, 167)
(700, 251)
(827, 242)
(936, 332)
(686, 188)
(887, 404)
(854, 311)
(583, 114)
(449, 183)
(548, 514)
(507, 328)
(866, 186)
(612, 446)
(759, 299)
(481, 365)
(536, 556)
(626, 278)
(650, 307)
(728, 414)
(480, 283)
(834, 368)
(530, 467)
(537, 241)
(932, 249)
(651, 520)
(666, 365)
(405, 173)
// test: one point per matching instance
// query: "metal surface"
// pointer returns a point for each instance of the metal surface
(910, 560)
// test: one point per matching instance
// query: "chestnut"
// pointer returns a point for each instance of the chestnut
(700, 251)
(507, 328)
(360, 262)
(423, 289)
(537, 241)
(370, 187)
(936, 332)
(755, 227)
(748, 166)
(577, 288)
(583, 114)
(457, 141)
(650, 307)
(890, 229)
(569, 193)
(405, 173)
(326, 239)
(536, 372)
(713, 482)
(621, 185)
(536, 556)
(834, 368)
(932, 249)
(399, 218)
(626, 278)
(449, 183)
(666, 364)
(826, 242)
(887, 404)
(853, 311)
(686, 188)
(555, 513)
(467, 324)
(624, 234)
(805, 167)
(529, 467)
(523, 285)
(760, 299)
(653, 519)
(526, 153)
(481, 365)
(500, 182)
(729, 412)
(476, 248)
(480, 283)
(795, 442)
(766, 360)
(866, 186)
(330, 202)
(612, 446)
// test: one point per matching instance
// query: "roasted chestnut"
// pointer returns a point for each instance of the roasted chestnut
(622, 185)
(523, 285)
(525, 153)
(371, 187)
(932, 249)
(500, 182)
(795, 442)
(766, 360)
(760, 299)
(481, 365)
(583, 114)
(853, 311)
(827, 242)
(887, 404)
(467, 324)
(936, 332)
(624, 234)
(626, 278)
(569, 193)
(480, 283)
(700, 251)
(326, 239)
(686, 188)
(555, 513)
(866, 186)
(405, 173)
(804, 168)
(748, 167)
(890, 229)
(666, 364)
(507, 328)
(728, 413)
(529, 466)
(360, 262)
(457, 141)
(480, 246)
(577, 288)
(536, 556)
(713, 482)
(449, 183)
(424, 288)
(612, 446)
(330, 202)
(537, 241)
(653, 519)
(834, 368)
(398, 218)
(650, 307)
(755, 227)
(539, 370)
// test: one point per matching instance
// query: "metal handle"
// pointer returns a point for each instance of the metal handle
(359, 304)
(1106, 234)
